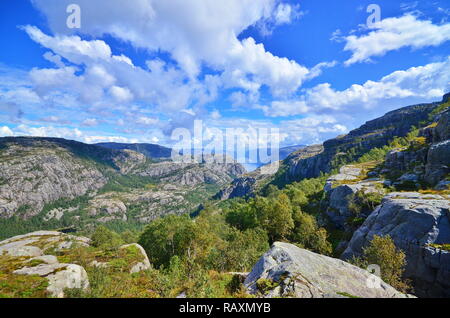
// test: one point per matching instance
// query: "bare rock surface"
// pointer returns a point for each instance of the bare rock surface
(303, 274)
(418, 224)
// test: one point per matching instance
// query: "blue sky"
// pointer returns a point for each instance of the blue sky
(134, 72)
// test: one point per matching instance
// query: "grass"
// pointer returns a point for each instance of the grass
(444, 247)
(347, 295)
(19, 286)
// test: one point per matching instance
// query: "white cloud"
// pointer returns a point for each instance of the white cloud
(195, 33)
(414, 84)
(147, 121)
(5, 131)
(90, 122)
(121, 94)
(394, 33)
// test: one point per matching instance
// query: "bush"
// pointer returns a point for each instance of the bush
(382, 251)
(308, 235)
(364, 201)
(105, 238)
(167, 237)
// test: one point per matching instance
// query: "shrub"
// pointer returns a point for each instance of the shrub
(382, 251)
(308, 235)
(105, 238)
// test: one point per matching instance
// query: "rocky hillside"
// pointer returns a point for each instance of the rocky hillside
(311, 161)
(50, 264)
(419, 224)
(50, 182)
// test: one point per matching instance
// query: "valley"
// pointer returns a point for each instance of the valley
(377, 195)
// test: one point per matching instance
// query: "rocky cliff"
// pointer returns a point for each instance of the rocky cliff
(311, 161)
(288, 271)
(419, 225)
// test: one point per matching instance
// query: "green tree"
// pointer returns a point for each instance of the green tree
(308, 235)
(275, 216)
(383, 252)
(105, 238)
(166, 237)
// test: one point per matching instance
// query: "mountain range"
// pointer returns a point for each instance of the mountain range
(387, 178)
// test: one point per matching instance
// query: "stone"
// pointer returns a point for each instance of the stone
(409, 177)
(42, 270)
(73, 276)
(142, 265)
(442, 185)
(438, 162)
(415, 222)
(32, 251)
(303, 274)
(48, 259)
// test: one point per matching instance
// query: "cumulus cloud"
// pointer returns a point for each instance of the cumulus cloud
(420, 83)
(101, 78)
(195, 33)
(394, 33)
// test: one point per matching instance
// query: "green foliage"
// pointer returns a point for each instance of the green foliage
(442, 107)
(375, 154)
(364, 201)
(382, 252)
(242, 216)
(308, 235)
(281, 215)
(243, 249)
(275, 216)
(105, 238)
(124, 183)
(265, 285)
(167, 237)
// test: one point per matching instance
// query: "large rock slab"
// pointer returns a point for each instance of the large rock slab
(415, 222)
(73, 276)
(303, 274)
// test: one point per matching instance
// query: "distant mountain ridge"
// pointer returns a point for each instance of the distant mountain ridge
(149, 150)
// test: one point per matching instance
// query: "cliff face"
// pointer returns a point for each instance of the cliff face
(34, 172)
(420, 226)
(311, 161)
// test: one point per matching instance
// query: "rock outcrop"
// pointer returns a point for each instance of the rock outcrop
(141, 265)
(341, 193)
(45, 254)
(418, 224)
(290, 271)
(248, 184)
(39, 172)
(31, 249)
(193, 174)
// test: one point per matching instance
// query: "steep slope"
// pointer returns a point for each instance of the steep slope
(420, 226)
(149, 150)
(311, 161)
